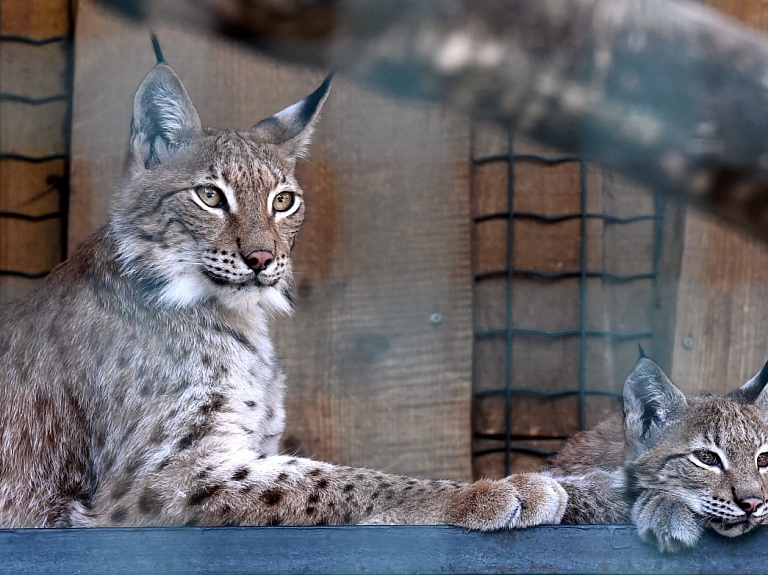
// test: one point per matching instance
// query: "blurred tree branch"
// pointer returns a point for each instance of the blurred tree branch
(668, 92)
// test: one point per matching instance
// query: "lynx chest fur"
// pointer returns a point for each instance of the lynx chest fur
(139, 386)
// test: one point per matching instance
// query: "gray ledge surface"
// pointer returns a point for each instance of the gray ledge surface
(355, 549)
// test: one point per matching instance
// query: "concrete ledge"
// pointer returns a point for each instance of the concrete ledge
(235, 551)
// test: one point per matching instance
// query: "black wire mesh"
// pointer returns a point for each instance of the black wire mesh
(56, 181)
(510, 442)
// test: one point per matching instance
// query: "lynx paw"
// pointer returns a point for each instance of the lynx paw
(665, 522)
(520, 500)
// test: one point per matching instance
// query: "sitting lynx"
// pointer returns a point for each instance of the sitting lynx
(139, 385)
(678, 466)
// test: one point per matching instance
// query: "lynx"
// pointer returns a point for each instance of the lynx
(139, 385)
(678, 465)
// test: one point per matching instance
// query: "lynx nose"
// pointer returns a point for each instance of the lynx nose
(750, 504)
(259, 260)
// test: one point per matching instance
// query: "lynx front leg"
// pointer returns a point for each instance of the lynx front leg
(595, 497)
(521, 500)
(281, 490)
(295, 491)
(665, 521)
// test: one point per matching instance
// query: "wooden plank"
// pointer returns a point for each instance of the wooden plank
(372, 381)
(395, 226)
(587, 549)
(722, 315)
(492, 464)
(667, 283)
(34, 71)
(30, 246)
(34, 130)
(39, 19)
(31, 189)
(34, 190)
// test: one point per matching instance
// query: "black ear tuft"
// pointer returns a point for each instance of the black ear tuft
(157, 49)
(750, 391)
(641, 351)
(292, 128)
(311, 104)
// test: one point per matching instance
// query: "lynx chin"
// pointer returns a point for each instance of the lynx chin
(139, 385)
(675, 465)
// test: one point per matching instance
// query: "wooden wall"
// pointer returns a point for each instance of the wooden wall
(35, 130)
(372, 381)
(721, 338)
(389, 243)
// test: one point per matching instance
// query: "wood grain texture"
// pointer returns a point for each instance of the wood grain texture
(371, 380)
(34, 130)
(722, 311)
(722, 315)
(386, 248)
(28, 246)
(35, 71)
(36, 18)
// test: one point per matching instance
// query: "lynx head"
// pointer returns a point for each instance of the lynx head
(210, 214)
(709, 452)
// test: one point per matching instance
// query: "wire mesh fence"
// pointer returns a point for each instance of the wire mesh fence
(505, 340)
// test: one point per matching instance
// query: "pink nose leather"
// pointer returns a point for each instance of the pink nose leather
(750, 504)
(259, 260)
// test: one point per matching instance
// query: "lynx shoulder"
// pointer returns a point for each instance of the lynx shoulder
(140, 386)
(673, 465)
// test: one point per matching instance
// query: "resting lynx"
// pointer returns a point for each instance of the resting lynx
(679, 465)
(139, 386)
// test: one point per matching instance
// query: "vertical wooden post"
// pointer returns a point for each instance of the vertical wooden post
(721, 337)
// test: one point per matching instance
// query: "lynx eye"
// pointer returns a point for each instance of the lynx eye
(283, 201)
(212, 197)
(708, 457)
(762, 460)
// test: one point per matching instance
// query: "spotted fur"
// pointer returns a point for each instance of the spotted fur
(677, 467)
(140, 386)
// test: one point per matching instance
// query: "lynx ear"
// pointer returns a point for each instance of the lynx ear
(164, 118)
(292, 128)
(651, 403)
(754, 390)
